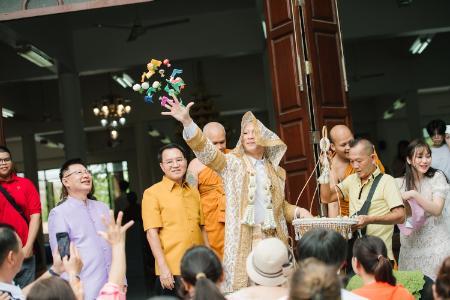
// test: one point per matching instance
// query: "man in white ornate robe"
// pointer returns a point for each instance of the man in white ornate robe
(254, 187)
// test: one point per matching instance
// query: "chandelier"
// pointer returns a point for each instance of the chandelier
(112, 112)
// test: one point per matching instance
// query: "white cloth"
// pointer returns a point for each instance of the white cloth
(426, 248)
(261, 178)
(13, 290)
(440, 159)
(346, 295)
(260, 195)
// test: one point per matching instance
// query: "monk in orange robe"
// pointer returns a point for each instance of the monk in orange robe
(340, 167)
(210, 186)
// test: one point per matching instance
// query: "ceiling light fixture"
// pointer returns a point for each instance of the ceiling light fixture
(7, 113)
(112, 112)
(124, 80)
(35, 55)
(120, 81)
(420, 44)
(399, 104)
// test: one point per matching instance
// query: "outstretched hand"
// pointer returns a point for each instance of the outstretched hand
(115, 233)
(178, 111)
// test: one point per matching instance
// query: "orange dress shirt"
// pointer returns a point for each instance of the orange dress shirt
(177, 212)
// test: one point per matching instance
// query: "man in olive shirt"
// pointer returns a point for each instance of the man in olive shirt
(172, 218)
(386, 208)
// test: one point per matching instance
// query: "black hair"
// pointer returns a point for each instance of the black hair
(123, 185)
(170, 146)
(410, 172)
(371, 253)
(438, 126)
(201, 268)
(326, 245)
(443, 280)
(8, 241)
(53, 288)
(5, 149)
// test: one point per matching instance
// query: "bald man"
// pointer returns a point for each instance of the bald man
(340, 137)
(210, 186)
(386, 206)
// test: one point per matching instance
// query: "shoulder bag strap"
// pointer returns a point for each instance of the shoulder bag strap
(366, 206)
(13, 203)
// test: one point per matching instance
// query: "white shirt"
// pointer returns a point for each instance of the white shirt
(440, 159)
(14, 291)
(260, 174)
(260, 193)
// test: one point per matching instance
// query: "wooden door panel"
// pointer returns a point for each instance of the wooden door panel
(328, 70)
(322, 10)
(297, 179)
(287, 95)
(278, 13)
(284, 42)
(292, 132)
(324, 46)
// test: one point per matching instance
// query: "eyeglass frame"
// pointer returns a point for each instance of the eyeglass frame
(86, 171)
(5, 160)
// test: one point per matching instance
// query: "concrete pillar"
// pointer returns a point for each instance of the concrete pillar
(413, 113)
(144, 157)
(72, 115)
(30, 158)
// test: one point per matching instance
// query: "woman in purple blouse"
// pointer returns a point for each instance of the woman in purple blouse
(81, 218)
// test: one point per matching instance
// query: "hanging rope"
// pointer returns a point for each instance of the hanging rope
(324, 177)
(324, 144)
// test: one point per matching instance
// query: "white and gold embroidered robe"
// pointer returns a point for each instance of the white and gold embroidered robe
(235, 175)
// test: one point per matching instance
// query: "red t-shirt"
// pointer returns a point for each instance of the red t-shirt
(27, 197)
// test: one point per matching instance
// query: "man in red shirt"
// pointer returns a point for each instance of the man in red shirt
(25, 195)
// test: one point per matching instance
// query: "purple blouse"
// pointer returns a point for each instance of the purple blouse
(82, 222)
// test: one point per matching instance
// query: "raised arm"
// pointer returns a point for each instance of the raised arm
(115, 236)
(204, 150)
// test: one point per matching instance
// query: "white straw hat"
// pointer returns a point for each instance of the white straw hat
(265, 263)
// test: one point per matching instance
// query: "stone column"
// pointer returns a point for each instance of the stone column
(30, 158)
(72, 115)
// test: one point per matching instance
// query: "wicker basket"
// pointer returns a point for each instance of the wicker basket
(343, 225)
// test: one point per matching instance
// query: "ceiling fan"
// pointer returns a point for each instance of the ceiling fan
(137, 28)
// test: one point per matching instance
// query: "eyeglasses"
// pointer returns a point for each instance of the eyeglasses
(171, 163)
(5, 160)
(79, 173)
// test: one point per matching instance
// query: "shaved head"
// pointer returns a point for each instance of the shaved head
(339, 131)
(213, 127)
(340, 137)
(215, 132)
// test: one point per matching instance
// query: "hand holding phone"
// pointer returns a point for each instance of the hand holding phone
(63, 244)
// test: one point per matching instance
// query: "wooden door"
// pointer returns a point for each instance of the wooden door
(308, 82)
(290, 95)
(324, 50)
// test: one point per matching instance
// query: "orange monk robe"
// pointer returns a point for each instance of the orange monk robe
(212, 197)
(344, 203)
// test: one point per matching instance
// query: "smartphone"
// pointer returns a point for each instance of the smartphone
(447, 130)
(63, 244)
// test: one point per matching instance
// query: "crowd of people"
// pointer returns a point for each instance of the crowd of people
(218, 227)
